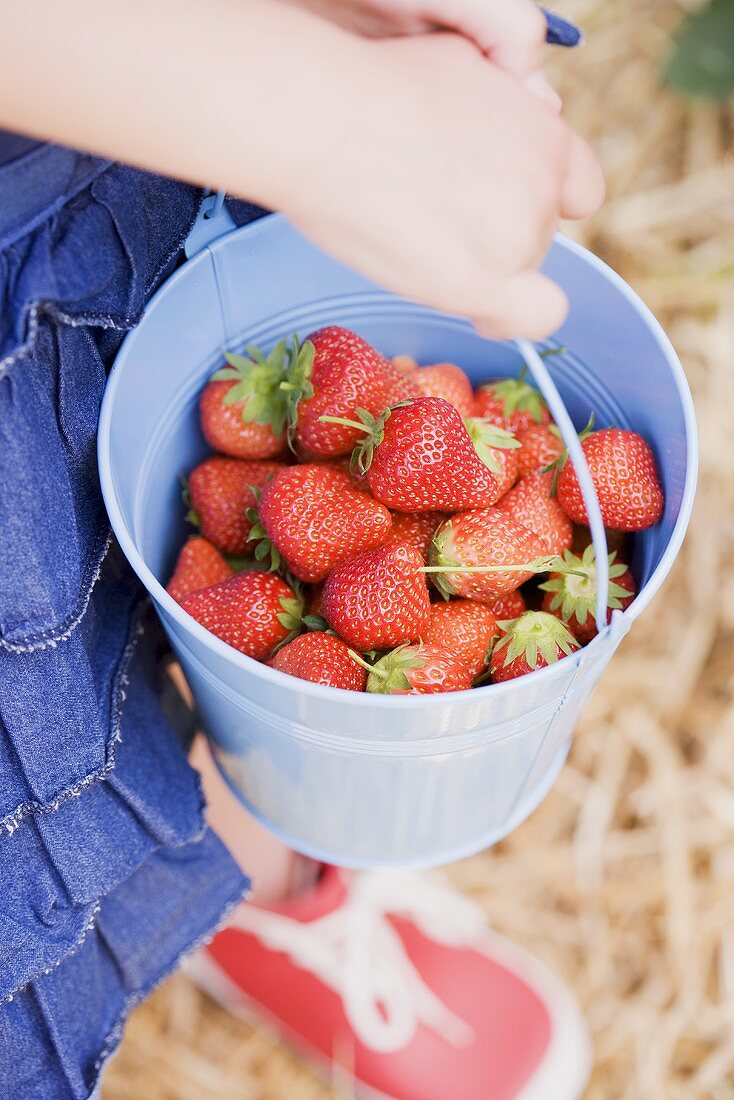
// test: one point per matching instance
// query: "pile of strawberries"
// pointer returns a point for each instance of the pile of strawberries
(370, 524)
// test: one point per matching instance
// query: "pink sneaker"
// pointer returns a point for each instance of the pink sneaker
(391, 983)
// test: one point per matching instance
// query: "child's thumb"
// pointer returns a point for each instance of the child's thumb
(526, 304)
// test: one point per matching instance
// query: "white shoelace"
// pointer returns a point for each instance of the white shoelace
(357, 953)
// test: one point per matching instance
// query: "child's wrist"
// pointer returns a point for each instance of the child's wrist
(302, 79)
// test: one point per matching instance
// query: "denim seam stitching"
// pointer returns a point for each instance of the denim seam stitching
(51, 637)
(23, 351)
(12, 820)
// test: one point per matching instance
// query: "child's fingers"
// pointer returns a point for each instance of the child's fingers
(526, 304)
(511, 32)
(539, 84)
(583, 188)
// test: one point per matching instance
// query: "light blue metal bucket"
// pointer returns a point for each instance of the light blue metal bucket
(362, 780)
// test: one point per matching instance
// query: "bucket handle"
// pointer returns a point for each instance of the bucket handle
(554, 401)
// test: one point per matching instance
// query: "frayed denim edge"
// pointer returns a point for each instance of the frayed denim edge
(12, 820)
(72, 951)
(134, 999)
(49, 639)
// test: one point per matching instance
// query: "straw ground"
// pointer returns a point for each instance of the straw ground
(624, 879)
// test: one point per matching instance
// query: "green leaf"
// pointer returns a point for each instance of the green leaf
(226, 374)
(242, 565)
(315, 622)
(702, 63)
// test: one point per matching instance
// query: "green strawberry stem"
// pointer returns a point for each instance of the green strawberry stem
(344, 422)
(374, 429)
(366, 665)
(554, 564)
(556, 466)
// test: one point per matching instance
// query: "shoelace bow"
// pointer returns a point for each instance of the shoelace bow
(356, 951)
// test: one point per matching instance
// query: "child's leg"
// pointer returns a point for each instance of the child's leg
(275, 870)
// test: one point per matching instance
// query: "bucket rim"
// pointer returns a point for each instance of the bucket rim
(189, 626)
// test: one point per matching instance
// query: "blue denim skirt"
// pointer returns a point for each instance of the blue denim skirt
(108, 872)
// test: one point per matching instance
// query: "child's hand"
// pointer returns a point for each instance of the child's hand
(414, 159)
(511, 33)
(444, 179)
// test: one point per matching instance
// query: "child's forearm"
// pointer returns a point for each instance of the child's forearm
(219, 93)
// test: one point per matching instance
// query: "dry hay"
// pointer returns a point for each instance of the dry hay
(624, 879)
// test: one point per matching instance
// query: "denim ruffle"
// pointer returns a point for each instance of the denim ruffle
(107, 871)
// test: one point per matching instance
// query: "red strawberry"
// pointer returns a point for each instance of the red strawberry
(401, 384)
(334, 373)
(418, 670)
(531, 642)
(199, 565)
(625, 477)
(322, 659)
(416, 528)
(404, 363)
(220, 491)
(572, 598)
(379, 599)
(315, 518)
(419, 457)
(511, 403)
(541, 445)
(498, 450)
(469, 629)
(344, 466)
(243, 409)
(530, 504)
(448, 381)
(509, 606)
(470, 553)
(253, 612)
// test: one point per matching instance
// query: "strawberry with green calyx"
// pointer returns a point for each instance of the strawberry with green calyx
(313, 518)
(469, 629)
(571, 595)
(484, 554)
(623, 470)
(530, 504)
(419, 669)
(242, 408)
(321, 659)
(199, 565)
(448, 381)
(497, 448)
(220, 492)
(511, 403)
(331, 374)
(540, 446)
(419, 457)
(378, 599)
(253, 612)
(533, 641)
